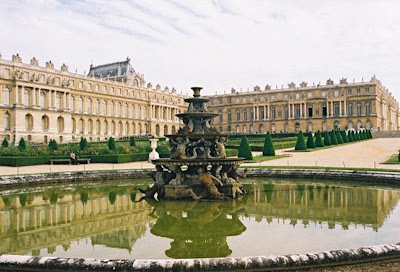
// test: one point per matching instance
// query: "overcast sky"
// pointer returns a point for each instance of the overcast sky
(217, 44)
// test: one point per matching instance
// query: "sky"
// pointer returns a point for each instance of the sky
(216, 44)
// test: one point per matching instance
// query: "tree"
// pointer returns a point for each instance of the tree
(268, 149)
(344, 136)
(339, 137)
(310, 141)
(370, 133)
(83, 144)
(357, 136)
(350, 136)
(244, 149)
(53, 145)
(318, 140)
(4, 143)
(365, 135)
(327, 139)
(111, 144)
(132, 141)
(300, 144)
(22, 145)
(334, 140)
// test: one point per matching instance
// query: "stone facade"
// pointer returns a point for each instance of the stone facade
(42, 103)
(308, 108)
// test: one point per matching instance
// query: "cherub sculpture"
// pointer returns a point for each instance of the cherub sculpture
(178, 147)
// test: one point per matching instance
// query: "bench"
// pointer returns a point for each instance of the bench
(80, 160)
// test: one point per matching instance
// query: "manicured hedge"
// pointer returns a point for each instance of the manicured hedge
(37, 160)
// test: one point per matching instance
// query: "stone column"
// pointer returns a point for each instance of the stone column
(340, 108)
(289, 111)
(331, 108)
(16, 96)
(345, 108)
(301, 110)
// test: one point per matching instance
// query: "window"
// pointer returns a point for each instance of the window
(42, 99)
(28, 122)
(245, 115)
(324, 94)
(336, 109)
(80, 104)
(89, 86)
(90, 126)
(262, 113)
(336, 93)
(45, 123)
(273, 113)
(251, 115)
(98, 127)
(358, 109)
(80, 126)
(7, 73)
(358, 90)
(6, 96)
(104, 108)
(324, 111)
(297, 96)
(297, 111)
(349, 91)
(60, 124)
(367, 90)
(119, 109)
(89, 106)
(350, 109)
(58, 101)
(126, 114)
(286, 112)
(310, 111)
(97, 106)
(229, 116)
(367, 108)
(72, 103)
(80, 85)
(238, 115)
(229, 100)
(96, 88)
(6, 121)
(112, 108)
(309, 95)
(27, 97)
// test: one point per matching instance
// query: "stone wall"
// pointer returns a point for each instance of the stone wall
(386, 134)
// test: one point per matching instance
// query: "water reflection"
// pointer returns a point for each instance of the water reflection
(110, 217)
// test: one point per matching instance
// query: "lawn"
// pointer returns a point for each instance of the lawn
(265, 158)
(394, 159)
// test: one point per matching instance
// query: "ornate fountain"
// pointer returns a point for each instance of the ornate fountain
(198, 167)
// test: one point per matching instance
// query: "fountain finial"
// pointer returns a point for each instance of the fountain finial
(196, 91)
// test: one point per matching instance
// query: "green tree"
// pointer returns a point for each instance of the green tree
(350, 136)
(22, 145)
(310, 141)
(357, 136)
(53, 145)
(83, 144)
(339, 137)
(334, 140)
(365, 134)
(268, 149)
(327, 139)
(132, 141)
(244, 150)
(370, 134)
(4, 143)
(344, 136)
(111, 144)
(300, 144)
(318, 140)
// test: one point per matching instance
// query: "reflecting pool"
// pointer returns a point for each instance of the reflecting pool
(279, 216)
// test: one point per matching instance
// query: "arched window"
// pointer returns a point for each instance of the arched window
(368, 125)
(324, 126)
(336, 125)
(120, 129)
(145, 129)
(133, 128)
(90, 126)
(81, 126)
(104, 108)
(126, 132)
(238, 129)
(89, 106)
(112, 108)
(42, 99)
(113, 128)
(73, 125)
(350, 109)
(173, 130)
(251, 129)
(367, 108)
(28, 122)
(310, 127)
(80, 104)
(126, 110)
(105, 127)
(244, 129)
(297, 127)
(6, 121)
(144, 113)
(98, 127)
(358, 109)
(359, 125)
(165, 130)
(72, 103)
(45, 123)
(261, 128)
(221, 117)
(58, 101)
(137, 109)
(244, 115)
(97, 106)
(131, 111)
(286, 128)
(119, 109)
(273, 128)
(140, 129)
(237, 115)
(157, 130)
(60, 124)
(350, 125)
(27, 97)
(6, 96)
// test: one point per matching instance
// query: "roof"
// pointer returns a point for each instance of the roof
(111, 70)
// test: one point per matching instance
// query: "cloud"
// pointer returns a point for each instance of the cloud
(217, 44)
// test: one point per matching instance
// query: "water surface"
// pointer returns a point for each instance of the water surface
(279, 216)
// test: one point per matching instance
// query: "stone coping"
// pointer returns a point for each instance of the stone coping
(355, 175)
(256, 263)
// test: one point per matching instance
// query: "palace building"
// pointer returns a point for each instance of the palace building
(43, 103)
(113, 100)
(343, 105)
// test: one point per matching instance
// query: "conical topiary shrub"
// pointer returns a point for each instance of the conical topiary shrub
(344, 136)
(300, 144)
(244, 149)
(319, 142)
(357, 136)
(111, 144)
(370, 134)
(327, 139)
(350, 136)
(4, 143)
(22, 145)
(332, 135)
(365, 135)
(132, 141)
(310, 141)
(339, 137)
(83, 144)
(268, 149)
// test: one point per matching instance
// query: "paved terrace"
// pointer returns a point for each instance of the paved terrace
(367, 154)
